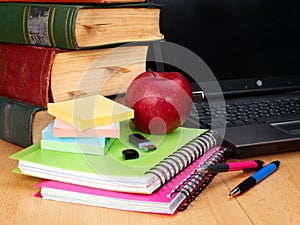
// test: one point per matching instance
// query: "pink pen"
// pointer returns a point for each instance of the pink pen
(246, 166)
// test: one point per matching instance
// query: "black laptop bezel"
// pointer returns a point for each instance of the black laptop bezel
(192, 24)
(254, 86)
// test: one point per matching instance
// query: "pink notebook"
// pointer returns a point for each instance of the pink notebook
(63, 129)
(171, 197)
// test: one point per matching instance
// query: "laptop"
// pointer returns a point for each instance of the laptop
(251, 55)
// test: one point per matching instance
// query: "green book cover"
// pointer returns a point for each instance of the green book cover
(53, 24)
(16, 119)
(110, 171)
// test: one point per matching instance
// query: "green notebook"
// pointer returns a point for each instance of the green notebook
(175, 151)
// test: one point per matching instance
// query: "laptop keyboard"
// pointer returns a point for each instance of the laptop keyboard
(248, 111)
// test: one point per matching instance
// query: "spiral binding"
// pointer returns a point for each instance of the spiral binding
(192, 186)
(184, 156)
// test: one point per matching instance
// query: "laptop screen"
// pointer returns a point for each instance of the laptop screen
(248, 44)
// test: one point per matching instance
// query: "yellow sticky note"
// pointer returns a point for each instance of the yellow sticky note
(91, 111)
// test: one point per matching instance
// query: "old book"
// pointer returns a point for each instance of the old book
(38, 75)
(78, 26)
(22, 123)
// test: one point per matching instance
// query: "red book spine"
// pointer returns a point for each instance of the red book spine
(25, 73)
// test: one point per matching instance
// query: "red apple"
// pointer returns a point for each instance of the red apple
(162, 101)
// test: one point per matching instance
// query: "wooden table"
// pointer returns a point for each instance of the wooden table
(275, 200)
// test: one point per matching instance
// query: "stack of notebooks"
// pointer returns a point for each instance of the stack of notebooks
(53, 51)
(58, 61)
(158, 181)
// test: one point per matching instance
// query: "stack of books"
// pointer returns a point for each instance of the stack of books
(61, 60)
(53, 51)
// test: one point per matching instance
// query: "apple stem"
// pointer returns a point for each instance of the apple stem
(152, 72)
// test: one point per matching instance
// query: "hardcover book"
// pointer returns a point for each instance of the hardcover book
(151, 170)
(170, 198)
(38, 75)
(78, 26)
(22, 123)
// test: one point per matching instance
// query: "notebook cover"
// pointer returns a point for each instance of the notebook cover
(160, 201)
(110, 171)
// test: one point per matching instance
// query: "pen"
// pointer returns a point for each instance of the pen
(246, 166)
(255, 178)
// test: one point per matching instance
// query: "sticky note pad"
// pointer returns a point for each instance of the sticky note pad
(82, 145)
(91, 111)
(63, 129)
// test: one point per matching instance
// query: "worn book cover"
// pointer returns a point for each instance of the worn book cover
(39, 75)
(78, 26)
(22, 123)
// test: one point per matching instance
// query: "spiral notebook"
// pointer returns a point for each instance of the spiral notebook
(175, 195)
(112, 172)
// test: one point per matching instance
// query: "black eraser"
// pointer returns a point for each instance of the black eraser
(130, 154)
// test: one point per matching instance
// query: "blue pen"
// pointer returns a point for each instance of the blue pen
(255, 178)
